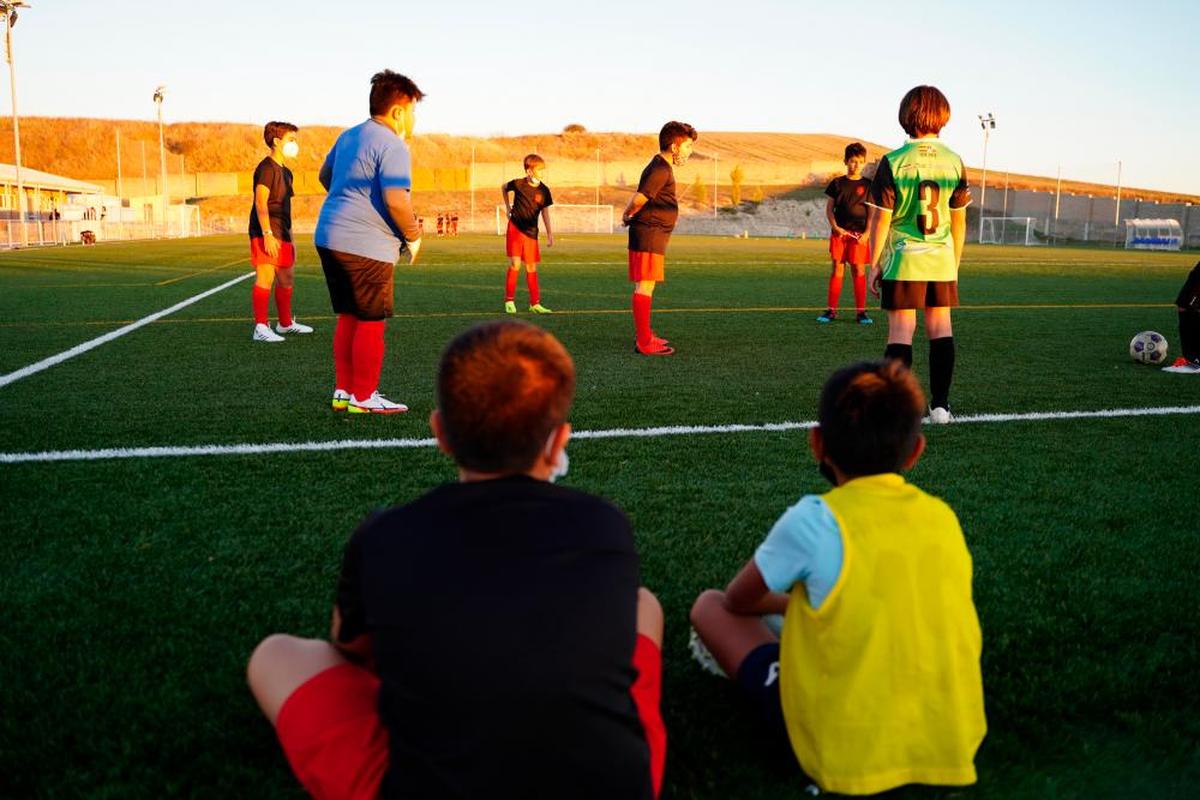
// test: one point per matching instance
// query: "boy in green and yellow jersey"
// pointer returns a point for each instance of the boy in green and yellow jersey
(876, 681)
(919, 197)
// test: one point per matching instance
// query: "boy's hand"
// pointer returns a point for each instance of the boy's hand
(271, 244)
(549, 240)
(414, 247)
(875, 279)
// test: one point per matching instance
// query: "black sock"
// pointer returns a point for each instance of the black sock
(941, 370)
(1189, 334)
(900, 352)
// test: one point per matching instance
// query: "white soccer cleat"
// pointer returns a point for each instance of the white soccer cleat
(341, 400)
(295, 327)
(263, 333)
(375, 404)
(1184, 367)
(940, 416)
(703, 657)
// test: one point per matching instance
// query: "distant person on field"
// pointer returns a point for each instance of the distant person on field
(876, 682)
(846, 210)
(366, 220)
(489, 639)
(1188, 305)
(651, 216)
(272, 253)
(920, 198)
(530, 198)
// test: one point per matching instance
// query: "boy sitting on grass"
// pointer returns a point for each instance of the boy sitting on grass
(876, 681)
(489, 639)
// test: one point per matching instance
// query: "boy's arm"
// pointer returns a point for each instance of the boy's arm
(507, 204)
(549, 233)
(833, 226)
(399, 205)
(360, 649)
(635, 205)
(748, 595)
(325, 176)
(262, 193)
(958, 232)
(880, 220)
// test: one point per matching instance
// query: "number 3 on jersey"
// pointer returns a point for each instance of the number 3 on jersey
(927, 199)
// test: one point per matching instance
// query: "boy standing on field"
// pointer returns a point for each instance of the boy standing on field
(846, 211)
(920, 196)
(272, 253)
(530, 198)
(1187, 303)
(651, 216)
(876, 680)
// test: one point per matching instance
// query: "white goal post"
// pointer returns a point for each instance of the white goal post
(569, 218)
(1010, 230)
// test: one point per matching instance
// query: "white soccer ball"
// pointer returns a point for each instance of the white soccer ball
(1148, 347)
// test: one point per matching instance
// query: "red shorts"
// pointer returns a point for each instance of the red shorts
(518, 245)
(258, 254)
(646, 266)
(849, 250)
(336, 744)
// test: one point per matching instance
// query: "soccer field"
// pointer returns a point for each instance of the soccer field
(137, 581)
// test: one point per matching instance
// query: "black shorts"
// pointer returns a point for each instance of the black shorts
(1189, 295)
(898, 295)
(358, 285)
(758, 679)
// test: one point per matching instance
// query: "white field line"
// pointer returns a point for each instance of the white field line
(46, 363)
(611, 433)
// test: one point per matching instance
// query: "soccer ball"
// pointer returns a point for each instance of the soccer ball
(1148, 347)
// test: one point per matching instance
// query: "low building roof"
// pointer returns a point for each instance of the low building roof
(36, 178)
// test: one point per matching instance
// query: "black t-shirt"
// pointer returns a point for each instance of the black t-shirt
(528, 202)
(650, 229)
(278, 179)
(1189, 295)
(850, 202)
(503, 615)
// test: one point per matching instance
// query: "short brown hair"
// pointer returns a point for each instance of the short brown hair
(924, 110)
(277, 130)
(391, 88)
(870, 417)
(502, 389)
(674, 132)
(532, 160)
(855, 149)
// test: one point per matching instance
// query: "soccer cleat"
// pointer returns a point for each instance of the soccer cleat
(538, 308)
(654, 349)
(940, 416)
(1184, 367)
(510, 307)
(341, 399)
(828, 316)
(295, 327)
(657, 341)
(375, 404)
(865, 319)
(263, 333)
(703, 657)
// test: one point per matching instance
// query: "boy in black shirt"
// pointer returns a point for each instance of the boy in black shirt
(489, 639)
(846, 211)
(1187, 302)
(651, 216)
(530, 198)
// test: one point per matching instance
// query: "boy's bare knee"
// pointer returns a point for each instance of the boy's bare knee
(709, 598)
(267, 651)
(649, 615)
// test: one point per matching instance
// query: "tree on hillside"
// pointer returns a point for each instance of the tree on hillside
(735, 177)
(757, 195)
(574, 127)
(700, 191)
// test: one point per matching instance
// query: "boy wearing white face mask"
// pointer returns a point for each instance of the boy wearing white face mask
(490, 638)
(271, 251)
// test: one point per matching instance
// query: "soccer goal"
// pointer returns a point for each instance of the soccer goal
(568, 218)
(1010, 230)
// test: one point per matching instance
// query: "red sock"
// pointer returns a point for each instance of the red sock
(641, 318)
(283, 304)
(835, 290)
(368, 357)
(510, 285)
(535, 295)
(860, 291)
(260, 301)
(343, 352)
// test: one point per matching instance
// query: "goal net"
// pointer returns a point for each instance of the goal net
(569, 218)
(1010, 230)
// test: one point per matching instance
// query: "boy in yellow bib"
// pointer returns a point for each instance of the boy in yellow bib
(876, 679)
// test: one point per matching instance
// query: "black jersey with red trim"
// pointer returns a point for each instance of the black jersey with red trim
(650, 229)
(527, 204)
(850, 197)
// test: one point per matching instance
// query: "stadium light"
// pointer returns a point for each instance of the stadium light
(9, 9)
(988, 124)
(159, 93)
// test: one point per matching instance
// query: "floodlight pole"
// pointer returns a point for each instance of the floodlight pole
(596, 210)
(472, 182)
(988, 123)
(716, 159)
(162, 158)
(9, 10)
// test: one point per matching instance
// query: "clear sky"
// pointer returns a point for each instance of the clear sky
(1081, 84)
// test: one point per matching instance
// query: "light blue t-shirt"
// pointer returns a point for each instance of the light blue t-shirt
(804, 545)
(365, 160)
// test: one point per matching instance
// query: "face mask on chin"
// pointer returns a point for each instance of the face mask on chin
(560, 468)
(291, 149)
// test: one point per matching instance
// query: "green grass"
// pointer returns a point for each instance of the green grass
(134, 590)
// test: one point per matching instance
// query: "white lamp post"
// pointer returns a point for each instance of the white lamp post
(9, 9)
(159, 93)
(988, 124)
